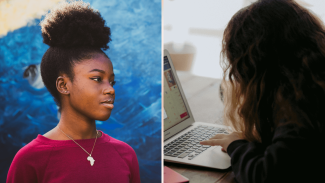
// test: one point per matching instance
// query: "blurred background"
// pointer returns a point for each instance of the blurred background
(193, 31)
(27, 108)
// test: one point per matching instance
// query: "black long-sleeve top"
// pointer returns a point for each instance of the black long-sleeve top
(287, 154)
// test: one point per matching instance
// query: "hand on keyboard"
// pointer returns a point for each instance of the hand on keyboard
(222, 140)
(188, 145)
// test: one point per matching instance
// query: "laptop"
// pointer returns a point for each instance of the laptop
(182, 133)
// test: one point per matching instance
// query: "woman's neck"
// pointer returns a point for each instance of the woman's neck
(75, 126)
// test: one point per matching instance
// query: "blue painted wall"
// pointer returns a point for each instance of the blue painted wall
(135, 51)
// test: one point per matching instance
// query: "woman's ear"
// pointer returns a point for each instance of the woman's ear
(61, 84)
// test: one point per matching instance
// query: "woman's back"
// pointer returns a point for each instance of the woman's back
(274, 52)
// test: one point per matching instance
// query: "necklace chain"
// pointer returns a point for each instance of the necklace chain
(80, 145)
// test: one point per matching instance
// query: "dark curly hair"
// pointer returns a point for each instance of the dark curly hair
(274, 55)
(74, 31)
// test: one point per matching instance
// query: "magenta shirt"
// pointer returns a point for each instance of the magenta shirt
(46, 160)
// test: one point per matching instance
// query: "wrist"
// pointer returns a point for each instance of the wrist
(234, 144)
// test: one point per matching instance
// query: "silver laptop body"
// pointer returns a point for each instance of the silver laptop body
(181, 133)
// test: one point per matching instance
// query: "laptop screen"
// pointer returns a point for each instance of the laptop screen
(174, 107)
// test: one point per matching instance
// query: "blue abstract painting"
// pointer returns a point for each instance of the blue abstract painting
(27, 108)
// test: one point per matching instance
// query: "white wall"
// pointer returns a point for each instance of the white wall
(202, 22)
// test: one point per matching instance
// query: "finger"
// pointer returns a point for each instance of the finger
(222, 149)
(218, 136)
(212, 142)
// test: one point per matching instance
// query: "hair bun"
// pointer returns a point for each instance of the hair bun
(75, 24)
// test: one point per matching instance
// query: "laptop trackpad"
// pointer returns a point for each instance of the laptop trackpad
(216, 152)
(214, 157)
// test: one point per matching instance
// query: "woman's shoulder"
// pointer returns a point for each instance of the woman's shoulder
(29, 161)
(124, 149)
(120, 145)
(33, 156)
(126, 152)
(34, 149)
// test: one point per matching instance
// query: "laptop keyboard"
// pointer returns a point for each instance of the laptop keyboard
(188, 145)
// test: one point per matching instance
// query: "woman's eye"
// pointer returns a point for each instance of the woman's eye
(97, 79)
(112, 83)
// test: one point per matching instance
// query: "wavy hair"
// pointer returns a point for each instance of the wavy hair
(273, 54)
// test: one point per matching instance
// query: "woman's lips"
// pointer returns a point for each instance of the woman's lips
(108, 105)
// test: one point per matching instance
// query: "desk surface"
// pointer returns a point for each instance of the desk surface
(203, 97)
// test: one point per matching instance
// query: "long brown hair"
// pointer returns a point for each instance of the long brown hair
(274, 56)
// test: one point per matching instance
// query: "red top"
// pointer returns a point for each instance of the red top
(46, 160)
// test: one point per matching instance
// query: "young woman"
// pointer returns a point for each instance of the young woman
(274, 53)
(80, 77)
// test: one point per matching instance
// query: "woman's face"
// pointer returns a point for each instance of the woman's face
(92, 93)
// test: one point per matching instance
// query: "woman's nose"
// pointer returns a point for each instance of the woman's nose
(109, 89)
